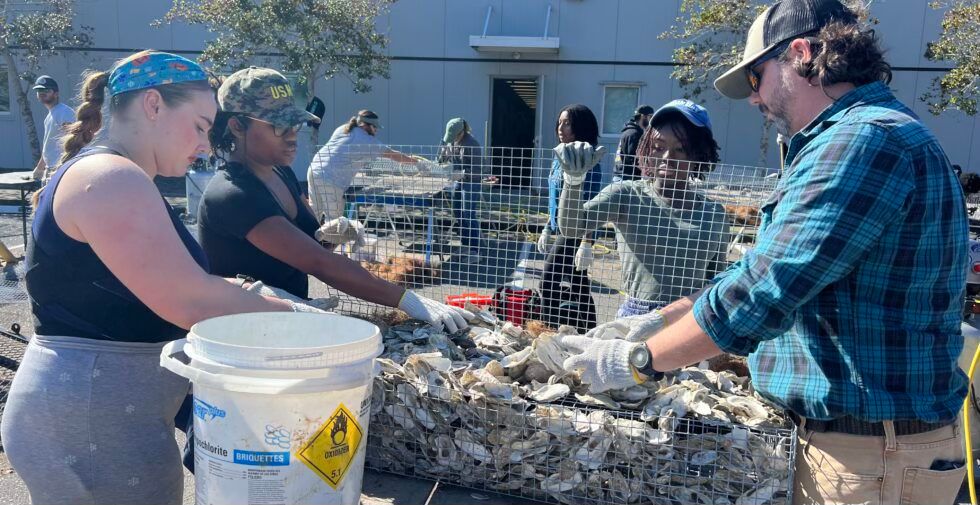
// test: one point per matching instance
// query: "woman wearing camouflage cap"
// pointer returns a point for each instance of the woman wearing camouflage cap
(113, 276)
(253, 219)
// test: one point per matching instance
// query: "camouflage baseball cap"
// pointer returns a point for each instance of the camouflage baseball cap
(264, 94)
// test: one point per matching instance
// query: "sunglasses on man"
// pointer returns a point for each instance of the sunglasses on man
(755, 77)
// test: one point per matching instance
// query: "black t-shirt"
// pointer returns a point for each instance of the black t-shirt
(234, 202)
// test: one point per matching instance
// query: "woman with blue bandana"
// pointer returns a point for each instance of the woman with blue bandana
(671, 239)
(113, 276)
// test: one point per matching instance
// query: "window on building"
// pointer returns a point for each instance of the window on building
(4, 91)
(618, 103)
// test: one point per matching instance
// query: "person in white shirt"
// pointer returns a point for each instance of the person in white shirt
(350, 149)
(59, 116)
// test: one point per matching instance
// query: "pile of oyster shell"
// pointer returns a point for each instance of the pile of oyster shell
(491, 407)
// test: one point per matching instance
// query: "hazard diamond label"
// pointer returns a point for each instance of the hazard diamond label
(330, 451)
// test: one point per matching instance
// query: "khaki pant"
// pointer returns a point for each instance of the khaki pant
(327, 199)
(834, 468)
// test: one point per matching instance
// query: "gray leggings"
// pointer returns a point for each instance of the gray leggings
(91, 422)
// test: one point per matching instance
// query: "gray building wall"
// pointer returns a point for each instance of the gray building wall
(436, 75)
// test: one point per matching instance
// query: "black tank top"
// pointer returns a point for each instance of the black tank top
(74, 294)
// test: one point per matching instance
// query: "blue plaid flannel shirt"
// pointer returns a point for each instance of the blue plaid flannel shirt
(851, 301)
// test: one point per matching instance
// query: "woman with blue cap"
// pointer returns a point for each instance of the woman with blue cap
(671, 239)
(113, 276)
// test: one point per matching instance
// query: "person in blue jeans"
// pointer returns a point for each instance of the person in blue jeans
(466, 156)
(566, 296)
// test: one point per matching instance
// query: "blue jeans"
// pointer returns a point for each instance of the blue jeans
(466, 197)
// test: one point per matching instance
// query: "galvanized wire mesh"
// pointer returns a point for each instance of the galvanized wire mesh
(475, 224)
(570, 452)
(465, 228)
(12, 285)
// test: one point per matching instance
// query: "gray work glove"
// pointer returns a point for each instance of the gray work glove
(321, 304)
(631, 328)
(545, 246)
(341, 231)
(603, 364)
(576, 159)
(435, 313)
(584, 256)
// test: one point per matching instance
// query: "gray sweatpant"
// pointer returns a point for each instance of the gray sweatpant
(91, 422)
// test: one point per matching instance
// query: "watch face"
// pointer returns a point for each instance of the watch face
(639, 356)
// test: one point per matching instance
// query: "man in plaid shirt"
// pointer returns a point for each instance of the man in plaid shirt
(849, 307)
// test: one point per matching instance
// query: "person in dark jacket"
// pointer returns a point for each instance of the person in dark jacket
(629, 140)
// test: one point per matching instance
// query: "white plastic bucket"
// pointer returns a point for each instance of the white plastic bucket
(281, 406)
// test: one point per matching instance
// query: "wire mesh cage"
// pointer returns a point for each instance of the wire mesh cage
(504, 233)
(464, 226)
(444, 408)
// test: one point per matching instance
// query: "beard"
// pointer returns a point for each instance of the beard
(775, 110)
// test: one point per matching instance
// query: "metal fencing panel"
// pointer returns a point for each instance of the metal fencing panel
(491, 407)
(471, 229)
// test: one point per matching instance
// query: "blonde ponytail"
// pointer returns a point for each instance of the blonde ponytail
(80, 133)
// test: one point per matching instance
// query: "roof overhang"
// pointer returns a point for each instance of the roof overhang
(511, 44)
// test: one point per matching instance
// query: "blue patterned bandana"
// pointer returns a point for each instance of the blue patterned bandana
(153, 69)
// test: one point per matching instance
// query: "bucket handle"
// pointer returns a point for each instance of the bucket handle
(169, 361)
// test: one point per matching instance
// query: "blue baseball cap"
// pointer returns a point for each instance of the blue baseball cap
(696, 114)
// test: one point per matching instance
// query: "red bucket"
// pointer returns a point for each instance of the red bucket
(483, 301)
(514, 304)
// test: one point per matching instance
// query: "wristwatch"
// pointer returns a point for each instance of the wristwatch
(641, 361)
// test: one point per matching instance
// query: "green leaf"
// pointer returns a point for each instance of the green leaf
(959, 44)
(308, 38)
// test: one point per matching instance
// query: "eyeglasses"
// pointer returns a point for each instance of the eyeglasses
(280, 131)
(755, 77)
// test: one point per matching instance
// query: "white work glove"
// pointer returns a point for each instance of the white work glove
(603, 364)
(544, 242)
(320, 304)
(341, 231)
(584, 256)
(631, 328)
(437, 314)
(576, 159)
(302, 307)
